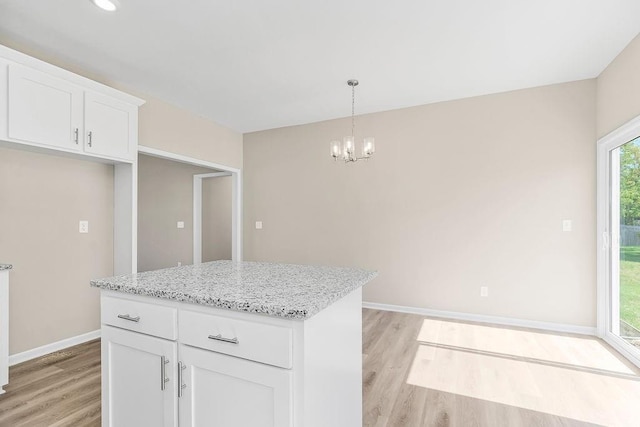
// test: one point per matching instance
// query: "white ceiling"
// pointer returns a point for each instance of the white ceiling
(256, 64)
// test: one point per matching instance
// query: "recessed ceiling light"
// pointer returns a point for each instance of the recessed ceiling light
(108, 5)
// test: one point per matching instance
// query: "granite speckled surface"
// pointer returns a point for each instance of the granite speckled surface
(5, 267)
(280, 290)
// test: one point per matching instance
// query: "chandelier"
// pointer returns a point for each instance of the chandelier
(346, 150)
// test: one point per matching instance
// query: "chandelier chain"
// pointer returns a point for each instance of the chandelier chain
(353, 109)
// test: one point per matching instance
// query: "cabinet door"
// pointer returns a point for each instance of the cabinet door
(132, 375)
(111, 127)
(4, 98)
(226, 391)
(44, 109)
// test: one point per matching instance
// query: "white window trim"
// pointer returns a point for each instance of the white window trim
(620, 136)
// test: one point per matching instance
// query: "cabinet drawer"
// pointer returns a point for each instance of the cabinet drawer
(137, 316)
(249, 340)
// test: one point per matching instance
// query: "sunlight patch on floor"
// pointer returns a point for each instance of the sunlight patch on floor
(457, 358)
(580, 351)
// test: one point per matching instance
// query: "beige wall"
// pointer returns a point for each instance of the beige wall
(172, 129)
(43, 198)
(618, 89)
(459, 195)
(216, 218)
(75, 308)
(165, 196)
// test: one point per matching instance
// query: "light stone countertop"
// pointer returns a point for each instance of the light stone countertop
(279, 290)
(5, 267)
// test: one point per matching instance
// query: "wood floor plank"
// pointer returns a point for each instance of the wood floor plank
(409, 406)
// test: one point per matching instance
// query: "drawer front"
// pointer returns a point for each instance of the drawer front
(249, 340)
(141, 317)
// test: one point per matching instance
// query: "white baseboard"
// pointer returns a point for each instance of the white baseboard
(481, 318)
(14, 359)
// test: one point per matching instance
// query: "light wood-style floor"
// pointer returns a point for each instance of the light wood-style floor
(60, 389)
(427, 372)
(417, 372)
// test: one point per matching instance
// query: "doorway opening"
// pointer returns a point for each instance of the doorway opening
(212, 217)
(171, 226)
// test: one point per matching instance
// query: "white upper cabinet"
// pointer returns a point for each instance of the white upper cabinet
(44, 109)
(110, 125)
(4, 95)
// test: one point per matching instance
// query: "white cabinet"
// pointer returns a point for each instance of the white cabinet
(230, 369)
(111, 126)
(44, 109)
(4, 329)
(221, 390)
(139, 379)
(206, 388)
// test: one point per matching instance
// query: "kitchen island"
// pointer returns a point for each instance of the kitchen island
(233, 344)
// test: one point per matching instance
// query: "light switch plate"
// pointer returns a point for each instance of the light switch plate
(180, 224)
(258, 225)
(83, 227)
(567, 225)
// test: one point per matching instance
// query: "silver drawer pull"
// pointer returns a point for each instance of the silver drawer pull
(219, 337)
(163, 372)
(129, 318)
(181, 386)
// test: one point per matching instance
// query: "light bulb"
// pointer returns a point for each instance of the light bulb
(368, 146)
(349, 144)
(335, 149)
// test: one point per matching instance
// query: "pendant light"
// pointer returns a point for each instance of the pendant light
(346, 150)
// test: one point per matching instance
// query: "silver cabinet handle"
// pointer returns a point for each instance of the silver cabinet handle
(75, 135)
(163, 372)
(219, 337)
(129, 318)
(89, 135)
(181, 386)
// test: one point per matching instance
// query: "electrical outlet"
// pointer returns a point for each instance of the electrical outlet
(83, 227)
(180, 224)
(258, 225)
(179, 264)
(484, 291)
